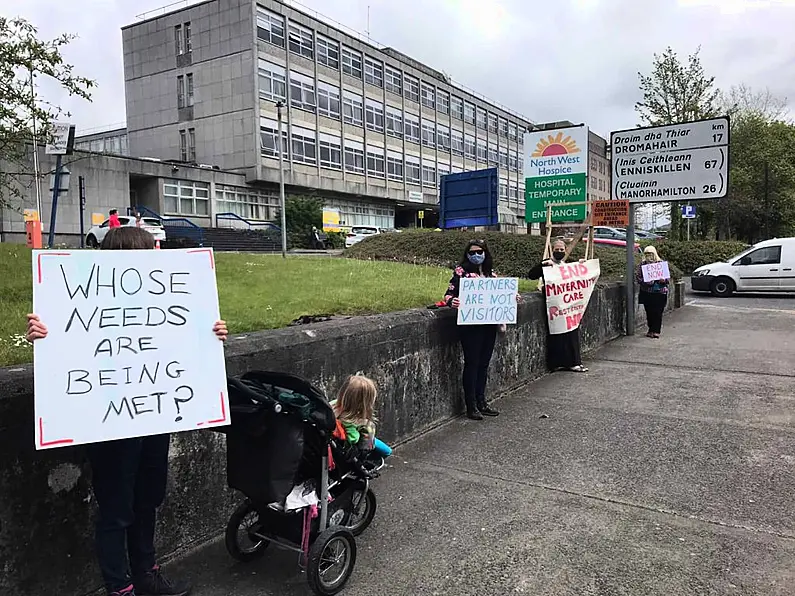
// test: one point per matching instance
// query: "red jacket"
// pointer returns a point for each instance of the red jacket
(113, 221)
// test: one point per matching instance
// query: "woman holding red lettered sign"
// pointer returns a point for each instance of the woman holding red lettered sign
(653, 293)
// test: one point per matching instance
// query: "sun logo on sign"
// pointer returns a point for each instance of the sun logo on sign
(555, 145)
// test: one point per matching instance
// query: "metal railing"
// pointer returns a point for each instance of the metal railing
(179, 227)
(242, 222)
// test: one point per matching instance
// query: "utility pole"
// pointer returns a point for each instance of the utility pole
(767, 200)
(36, 169)
(282, 201)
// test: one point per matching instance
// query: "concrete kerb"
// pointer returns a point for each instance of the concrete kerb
(414, 357)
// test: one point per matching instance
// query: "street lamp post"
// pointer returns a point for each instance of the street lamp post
(279, 107)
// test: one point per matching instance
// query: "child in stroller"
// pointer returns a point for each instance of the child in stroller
(305, 491)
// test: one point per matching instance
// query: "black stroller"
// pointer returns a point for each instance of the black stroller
(305, 491)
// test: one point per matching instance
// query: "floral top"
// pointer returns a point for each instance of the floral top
(659, 286)
(455, 283)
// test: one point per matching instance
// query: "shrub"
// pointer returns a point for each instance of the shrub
(336, 239)
(689, 256)
(301, 213)
(513, 254)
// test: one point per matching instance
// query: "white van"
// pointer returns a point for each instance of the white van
(765, 267)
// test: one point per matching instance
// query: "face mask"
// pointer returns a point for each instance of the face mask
(649, 257)
(558, 255)
(476, 258)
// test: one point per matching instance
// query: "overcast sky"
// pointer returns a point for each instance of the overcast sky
(547, 59)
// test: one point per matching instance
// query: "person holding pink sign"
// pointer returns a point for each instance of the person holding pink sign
(652, 294)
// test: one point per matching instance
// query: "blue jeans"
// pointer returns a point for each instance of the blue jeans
(129, 480)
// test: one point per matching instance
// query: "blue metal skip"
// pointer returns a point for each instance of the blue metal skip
(469, 199)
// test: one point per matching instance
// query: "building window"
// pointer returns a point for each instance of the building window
(180, 92)
(272, 81)
(394, 80)
(374, 115)
(428, 96)
(513, 164)
(328, 100)
(503, 127)
(512, 131)
(457, 107)
(330, 151)
(412, 127)
(352, 108)
(394, 165)
(429, 174)
(373, 72)
(493, 123)
(411, 90)
(444, 169)
(520, 162)
(189, 89)
(470, 147)
(375, 161)
(269, 132)
(413, 172)
(428, 133)
(493, 155)
(469, 113)
(394, 122)
(302, 91)
(354, 156)
(303, 146)
(247, 203)
(483, 151)
(443, 102)
(503, 191)
(179, 40)
(513, 192)
(192, 145)
(188, 40)
(504, 157)
(443, 137)
(457, 142)
(351, 62)
(481, 117)
(328, 52)
(183, 145)
(270, 27)
(301, 41)
(182, 197)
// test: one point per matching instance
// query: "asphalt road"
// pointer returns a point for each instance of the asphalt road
(782, 301)
(667, 470)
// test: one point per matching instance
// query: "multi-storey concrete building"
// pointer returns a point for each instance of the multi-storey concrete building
(598, 168)
(365, 127)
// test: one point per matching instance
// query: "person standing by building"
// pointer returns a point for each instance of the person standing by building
(113, 219)
(653, 295)
(477, 341)
(563, 349)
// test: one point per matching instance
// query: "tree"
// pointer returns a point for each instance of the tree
(24, 57)
(741, 101)
(675, 92)
(301, 214)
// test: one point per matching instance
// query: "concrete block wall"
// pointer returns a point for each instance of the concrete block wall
(46, 507)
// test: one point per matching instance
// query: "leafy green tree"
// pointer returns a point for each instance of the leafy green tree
(301, 214)
(24, 57)
(677, 92)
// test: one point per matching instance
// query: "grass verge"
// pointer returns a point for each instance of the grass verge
(256, 291)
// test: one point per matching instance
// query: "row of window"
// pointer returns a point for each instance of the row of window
(308, 147)
(362, 214)
(304, 42)
(371, 114)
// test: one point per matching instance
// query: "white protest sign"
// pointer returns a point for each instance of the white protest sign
(568, 289)
(487, 300)
(655, 271)
(130, 349)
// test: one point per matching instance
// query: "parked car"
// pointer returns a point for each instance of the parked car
(614, 243)
(359, 233)
(641, 234)
(768, 266)
(152, 225)
(609, 233)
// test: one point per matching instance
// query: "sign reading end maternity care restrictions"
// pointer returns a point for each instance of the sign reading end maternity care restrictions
(487, 300)
(130, 349)
(568, 289)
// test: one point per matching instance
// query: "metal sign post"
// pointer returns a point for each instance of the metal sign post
(82, 189)
(630, 278)
(282, 200)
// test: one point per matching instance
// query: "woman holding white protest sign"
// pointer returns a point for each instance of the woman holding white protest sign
(477, 341)
(653, 293)
(129, 481)
(563, 348)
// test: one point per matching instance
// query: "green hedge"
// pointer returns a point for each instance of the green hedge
(513, 254)
(689, 256)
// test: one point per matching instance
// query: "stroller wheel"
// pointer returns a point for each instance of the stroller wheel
(242, 541)
(331, 561)
(357, 523)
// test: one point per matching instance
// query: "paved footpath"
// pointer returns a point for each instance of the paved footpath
(667, 470)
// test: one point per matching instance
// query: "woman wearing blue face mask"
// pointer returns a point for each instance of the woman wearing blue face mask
(477, 341)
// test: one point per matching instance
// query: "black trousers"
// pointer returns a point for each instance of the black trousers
(129, 479)
(654, 303)
(477, 343)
